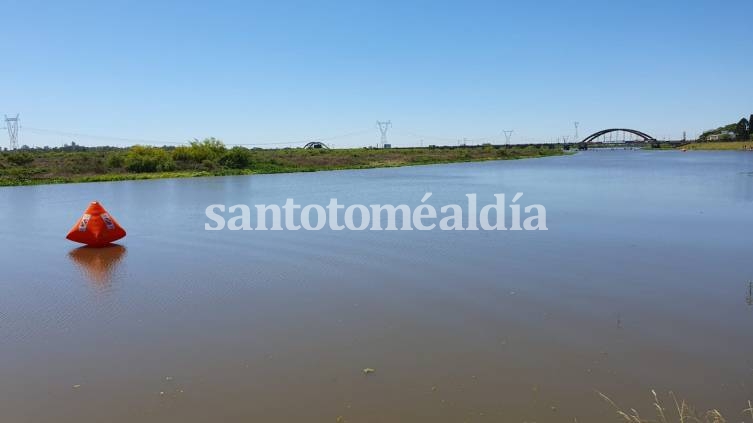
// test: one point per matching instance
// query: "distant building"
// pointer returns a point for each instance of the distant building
(388, 146)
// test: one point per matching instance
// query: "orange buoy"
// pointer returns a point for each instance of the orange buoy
(96, 228)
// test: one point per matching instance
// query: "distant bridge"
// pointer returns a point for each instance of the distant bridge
(617, 131)
(316, 144)
(623, 137)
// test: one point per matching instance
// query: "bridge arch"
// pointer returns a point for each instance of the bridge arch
(595, 135)
(316, 144)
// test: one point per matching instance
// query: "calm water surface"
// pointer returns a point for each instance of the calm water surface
(640, 283)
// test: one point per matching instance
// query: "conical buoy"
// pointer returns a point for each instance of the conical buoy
(96, 228)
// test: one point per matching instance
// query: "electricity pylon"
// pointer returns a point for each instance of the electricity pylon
(11, 123)
(383, 127)
(576, 131)
(508, 135)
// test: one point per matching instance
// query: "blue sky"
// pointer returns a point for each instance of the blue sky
(283, 72)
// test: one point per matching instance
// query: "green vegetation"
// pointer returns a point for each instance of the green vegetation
(740, 131)
(734, 136)
(73, 163)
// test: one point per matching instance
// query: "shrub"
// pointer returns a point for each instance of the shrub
(115, 160)
(82, 162)
(182, 154)
(20, 158)
(207, 149)
(236, 158)
(148, 159)
(198, 152)
(209, 164)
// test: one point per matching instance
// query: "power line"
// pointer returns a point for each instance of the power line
(446, 139)
(330, 138)
(428, 136)
(162, 142)
(99, 137)
(349, 134)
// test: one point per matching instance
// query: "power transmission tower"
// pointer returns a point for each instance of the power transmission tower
(508, 135)
(383, 127)
(11, 123)
(576, 131)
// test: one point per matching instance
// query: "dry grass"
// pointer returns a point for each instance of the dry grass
(679, 412)
(719, 145)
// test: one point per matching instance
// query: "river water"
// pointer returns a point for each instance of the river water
(640, 283)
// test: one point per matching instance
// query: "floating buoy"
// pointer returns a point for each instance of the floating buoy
(96, 228)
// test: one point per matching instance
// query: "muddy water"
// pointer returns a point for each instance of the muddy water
(640, 283)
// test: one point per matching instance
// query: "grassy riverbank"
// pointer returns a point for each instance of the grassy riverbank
(720, 145)
(211, 158)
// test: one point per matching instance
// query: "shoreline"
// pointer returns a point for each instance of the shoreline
(410, 157)
(719, 146)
